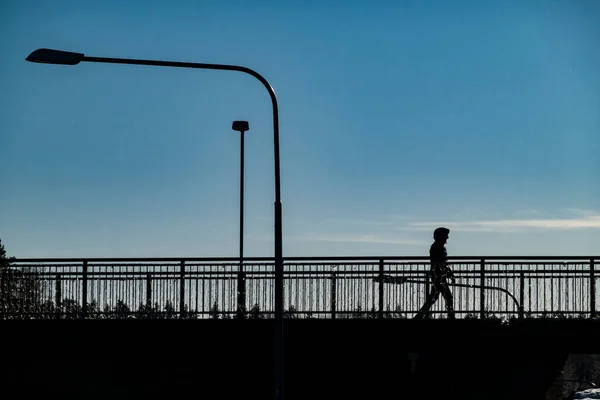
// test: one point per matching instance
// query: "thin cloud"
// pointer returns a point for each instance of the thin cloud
(529, 211)
(358, 222)
(402, 217)
(579, 212)
(358, 239)
(588, 222)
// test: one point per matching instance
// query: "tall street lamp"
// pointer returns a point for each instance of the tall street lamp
(242, 127)
(49, 56)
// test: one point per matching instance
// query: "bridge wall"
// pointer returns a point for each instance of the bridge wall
(370, 359)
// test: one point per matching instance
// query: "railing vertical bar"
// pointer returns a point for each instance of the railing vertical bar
(333, 294)
(592, 289)
(381, 272)
(148, 291)
(58, 296)
(84, 290)
(522, 294)
(482, 290)
(560, 305)
(182, 289)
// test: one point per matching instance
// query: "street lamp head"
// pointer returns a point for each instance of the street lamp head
(240, 126)
(49, 56)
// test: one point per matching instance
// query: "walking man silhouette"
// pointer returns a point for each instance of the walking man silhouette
(440, 272)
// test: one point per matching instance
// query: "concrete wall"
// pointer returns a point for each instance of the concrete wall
(370, 359)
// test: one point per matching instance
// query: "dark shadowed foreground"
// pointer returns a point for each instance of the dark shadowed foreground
(325, 359)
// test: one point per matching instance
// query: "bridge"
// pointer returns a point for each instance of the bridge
(151, 328)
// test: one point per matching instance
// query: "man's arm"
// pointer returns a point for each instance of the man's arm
(440, 268)
(448, 273)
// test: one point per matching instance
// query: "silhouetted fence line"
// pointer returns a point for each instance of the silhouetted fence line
(329, 287)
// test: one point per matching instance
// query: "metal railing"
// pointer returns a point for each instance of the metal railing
(329, 287)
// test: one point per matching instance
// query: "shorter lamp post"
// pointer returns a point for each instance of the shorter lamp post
(242, 127)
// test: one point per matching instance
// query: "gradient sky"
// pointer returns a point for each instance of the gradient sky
(396, 117)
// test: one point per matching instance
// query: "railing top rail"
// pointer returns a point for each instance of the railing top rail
(291, 259)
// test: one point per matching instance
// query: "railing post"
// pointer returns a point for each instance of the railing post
(381, 271)
(522, 295)
(148, 292)
(84, 291)
(241, 292)
(482, 292)
(58, 296)
(333, 294)
(181, 289)
(592, 290)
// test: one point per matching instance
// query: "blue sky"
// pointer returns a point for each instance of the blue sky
(396, 117)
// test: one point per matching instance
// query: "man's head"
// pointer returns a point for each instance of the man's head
(441, 234)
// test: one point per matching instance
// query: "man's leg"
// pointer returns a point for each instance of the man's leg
(449, 299)
(431, 299)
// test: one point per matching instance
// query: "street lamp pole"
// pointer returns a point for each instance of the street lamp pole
(49, 56)
(242, 127)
